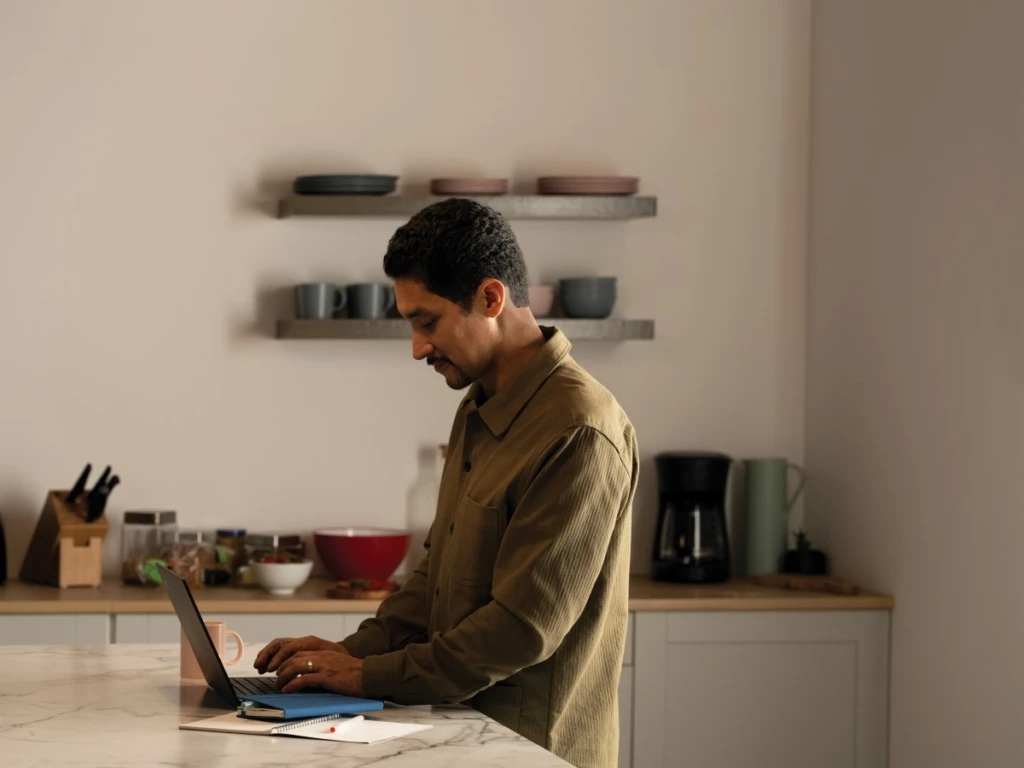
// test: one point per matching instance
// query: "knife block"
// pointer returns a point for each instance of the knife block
(65, 551)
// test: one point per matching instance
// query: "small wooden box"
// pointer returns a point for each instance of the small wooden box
(65, 550)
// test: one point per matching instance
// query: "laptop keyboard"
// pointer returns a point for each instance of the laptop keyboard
(253, 685)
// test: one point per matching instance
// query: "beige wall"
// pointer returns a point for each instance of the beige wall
(142, 143)
(915, 405)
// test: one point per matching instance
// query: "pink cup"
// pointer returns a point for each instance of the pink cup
(219, 633)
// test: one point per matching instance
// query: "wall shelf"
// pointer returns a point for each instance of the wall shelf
(574, 329)
(510, 206)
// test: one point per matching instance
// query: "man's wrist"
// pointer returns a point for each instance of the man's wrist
(359, 684)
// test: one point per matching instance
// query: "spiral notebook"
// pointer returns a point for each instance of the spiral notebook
(355, 730)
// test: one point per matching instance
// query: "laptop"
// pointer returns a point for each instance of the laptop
(230, 689)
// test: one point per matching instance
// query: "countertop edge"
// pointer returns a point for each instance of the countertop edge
(782, 603)
(647, 596)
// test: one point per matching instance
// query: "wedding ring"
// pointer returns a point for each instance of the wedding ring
(309, 665)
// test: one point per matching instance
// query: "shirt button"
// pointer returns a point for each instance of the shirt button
(451, 528)
(467, 465)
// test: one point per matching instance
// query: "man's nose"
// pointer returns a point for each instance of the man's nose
(421, 348)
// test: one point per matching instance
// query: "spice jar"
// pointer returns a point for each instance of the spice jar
(141, 534)
(230, 544)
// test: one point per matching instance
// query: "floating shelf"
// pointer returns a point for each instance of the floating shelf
(510, 206)
(576, 330)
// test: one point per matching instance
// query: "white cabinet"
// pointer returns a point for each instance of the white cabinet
(626, 718)
(767, 688)
(54, 628)
(255, 628)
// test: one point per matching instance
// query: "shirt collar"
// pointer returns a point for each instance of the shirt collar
(501, 411)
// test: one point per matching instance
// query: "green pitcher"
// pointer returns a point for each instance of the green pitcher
(767, 511)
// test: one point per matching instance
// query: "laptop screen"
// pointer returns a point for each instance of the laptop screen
(195, 631)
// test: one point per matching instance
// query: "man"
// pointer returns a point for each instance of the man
(519, 606)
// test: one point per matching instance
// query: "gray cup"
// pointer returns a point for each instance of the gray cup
(370, 300)
(318, 301)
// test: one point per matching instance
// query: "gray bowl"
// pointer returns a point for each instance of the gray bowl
(589, 297)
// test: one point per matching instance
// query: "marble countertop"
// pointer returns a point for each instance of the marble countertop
(644, 595)
(120, 705)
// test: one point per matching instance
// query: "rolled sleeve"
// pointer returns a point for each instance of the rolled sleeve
(401, 618)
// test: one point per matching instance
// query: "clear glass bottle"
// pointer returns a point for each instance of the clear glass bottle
(422, 503)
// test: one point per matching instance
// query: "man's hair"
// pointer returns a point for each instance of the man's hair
(453, 246)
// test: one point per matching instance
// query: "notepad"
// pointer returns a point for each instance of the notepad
(354, 730)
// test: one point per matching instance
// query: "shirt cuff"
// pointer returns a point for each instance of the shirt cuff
(381, 677)
(360, 645)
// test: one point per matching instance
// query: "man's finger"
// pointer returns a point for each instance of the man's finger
(263, 655)
(285, 652)
(305, 681)
(299, 665)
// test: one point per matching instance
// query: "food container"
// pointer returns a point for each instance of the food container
(189, 555)
(141, 534)
(230, 544)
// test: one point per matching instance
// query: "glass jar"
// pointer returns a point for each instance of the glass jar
(189, 555)
(141, 535)
(230, 544)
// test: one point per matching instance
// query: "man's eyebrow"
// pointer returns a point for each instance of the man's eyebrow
(413, 314)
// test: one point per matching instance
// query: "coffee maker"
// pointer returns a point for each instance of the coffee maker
(691, 542)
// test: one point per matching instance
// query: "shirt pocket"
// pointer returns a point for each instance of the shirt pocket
(475, 535)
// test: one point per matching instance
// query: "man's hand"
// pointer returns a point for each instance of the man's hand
(276, 652)
(329, 670)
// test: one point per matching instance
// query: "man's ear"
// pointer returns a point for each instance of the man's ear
(491, 297)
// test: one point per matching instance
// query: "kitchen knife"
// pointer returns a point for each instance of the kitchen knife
(99, 483)
(79, 485)
(98, 503)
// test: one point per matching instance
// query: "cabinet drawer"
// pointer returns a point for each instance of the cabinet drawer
(55, 629)
(255, 628)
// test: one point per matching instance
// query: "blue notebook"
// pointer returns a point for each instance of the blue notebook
(292, 706)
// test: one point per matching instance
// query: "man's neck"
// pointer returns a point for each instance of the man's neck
(521, 339)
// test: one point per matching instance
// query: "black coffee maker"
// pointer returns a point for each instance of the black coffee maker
(691, 542)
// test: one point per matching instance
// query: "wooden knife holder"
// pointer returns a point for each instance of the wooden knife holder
(65, 551)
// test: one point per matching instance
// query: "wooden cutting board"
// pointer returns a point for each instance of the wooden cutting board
(807, 583)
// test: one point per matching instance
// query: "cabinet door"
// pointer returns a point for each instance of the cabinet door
(255, 628)
(772, 689)
(54, 629)
(626, 718)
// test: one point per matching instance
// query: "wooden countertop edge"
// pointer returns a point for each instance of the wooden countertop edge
(781, 603)
(113, 598)
(107, 607)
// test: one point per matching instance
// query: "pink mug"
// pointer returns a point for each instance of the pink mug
(219, 632)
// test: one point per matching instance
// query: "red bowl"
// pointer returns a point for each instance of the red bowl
(361, 553)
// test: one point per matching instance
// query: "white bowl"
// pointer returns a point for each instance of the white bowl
(282, 578)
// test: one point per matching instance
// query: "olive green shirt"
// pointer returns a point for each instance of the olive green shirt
(519, 607)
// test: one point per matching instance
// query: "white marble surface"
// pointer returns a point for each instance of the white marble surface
(120, 705)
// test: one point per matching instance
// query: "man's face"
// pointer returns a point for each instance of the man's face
(453, 341)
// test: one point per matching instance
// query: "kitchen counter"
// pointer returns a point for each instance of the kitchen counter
(644, 595)
(121, 706)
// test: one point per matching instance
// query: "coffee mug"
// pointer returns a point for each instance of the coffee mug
(318, 301)
(369, 300)
(218, 630)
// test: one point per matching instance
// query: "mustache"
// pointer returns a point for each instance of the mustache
(432, 361)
